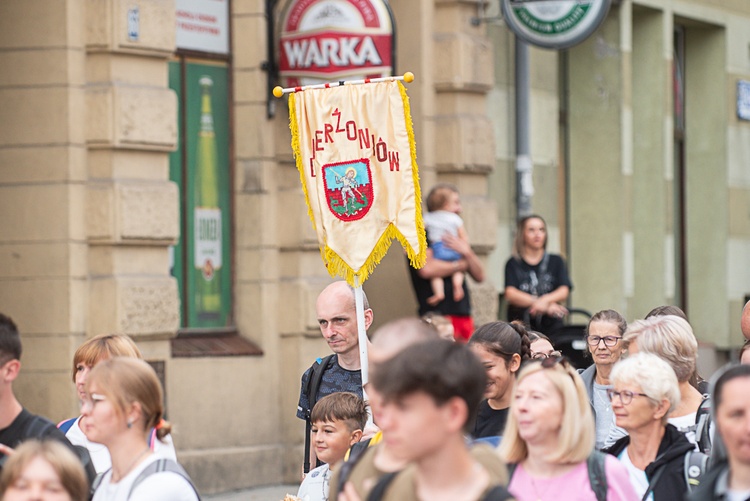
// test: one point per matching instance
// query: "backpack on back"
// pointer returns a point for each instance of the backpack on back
(158, 466)
(311, 391)
(703, 422)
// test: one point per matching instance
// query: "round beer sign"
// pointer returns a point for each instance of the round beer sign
(327, 40)
(554, 24)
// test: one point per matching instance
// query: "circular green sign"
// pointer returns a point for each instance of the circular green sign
(554, 24)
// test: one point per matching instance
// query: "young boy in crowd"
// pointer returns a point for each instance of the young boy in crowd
(442, 218)
(429, 394)
(337, 423)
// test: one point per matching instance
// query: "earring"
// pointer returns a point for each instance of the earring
(130, 424)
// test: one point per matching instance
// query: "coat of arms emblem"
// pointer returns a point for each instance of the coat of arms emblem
(348, 188)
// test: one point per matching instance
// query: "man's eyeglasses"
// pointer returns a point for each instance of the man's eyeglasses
(608, 340)
(541, 355)
(625, 396)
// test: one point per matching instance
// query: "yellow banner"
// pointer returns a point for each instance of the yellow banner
(355, 152)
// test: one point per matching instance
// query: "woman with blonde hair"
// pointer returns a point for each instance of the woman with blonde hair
(549, 438)
(88, 355)
(123, 400)
(671, 338)
(43, 471)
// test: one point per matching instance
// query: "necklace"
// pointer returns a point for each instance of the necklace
(536, 491)
(120, 476)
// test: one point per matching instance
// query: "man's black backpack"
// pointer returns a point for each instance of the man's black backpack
(39, 428)
(311, 390)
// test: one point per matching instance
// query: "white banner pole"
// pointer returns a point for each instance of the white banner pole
(359, 304)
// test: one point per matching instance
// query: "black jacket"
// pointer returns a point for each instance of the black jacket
(671, 485)
(713, 486)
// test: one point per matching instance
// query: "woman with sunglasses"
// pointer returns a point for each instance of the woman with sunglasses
(645, 392)
(501, 347)
(604, 338)
(541, 346)
(123, 400)
(550, 436)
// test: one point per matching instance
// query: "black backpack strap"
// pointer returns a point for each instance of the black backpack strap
(313, 385)
(159, 466)
(498, 493)
(37, 427)
(377, 492)
(654, 480)
(355, 453)
(696, 465)
(597, 475)
(97, 482)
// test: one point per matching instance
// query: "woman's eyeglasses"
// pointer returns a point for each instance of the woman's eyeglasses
(550, 362)
(625, 396)
(608, 340)
(541, 355)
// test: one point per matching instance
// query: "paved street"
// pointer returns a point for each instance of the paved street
(274, 493)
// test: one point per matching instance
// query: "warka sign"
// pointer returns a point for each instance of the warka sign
(328, 40)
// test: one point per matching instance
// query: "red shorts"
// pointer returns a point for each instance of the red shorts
(463, 327)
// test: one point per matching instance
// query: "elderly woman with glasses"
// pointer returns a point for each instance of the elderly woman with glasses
(549, 440)
(604, 338)
(654, 452)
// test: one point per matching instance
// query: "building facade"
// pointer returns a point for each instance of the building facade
(641, 168)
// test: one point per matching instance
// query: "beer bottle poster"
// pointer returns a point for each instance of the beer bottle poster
(204, 251)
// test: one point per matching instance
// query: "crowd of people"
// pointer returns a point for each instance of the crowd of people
(119, 448)
(450, 412)
(505, 416)
(637, 422)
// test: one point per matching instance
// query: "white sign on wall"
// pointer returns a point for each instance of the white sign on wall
(203, 25)
(743, 99)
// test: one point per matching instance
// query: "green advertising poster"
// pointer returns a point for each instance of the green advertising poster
(204, 250)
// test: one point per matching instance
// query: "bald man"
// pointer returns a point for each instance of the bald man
(745, 323)
(337, 318)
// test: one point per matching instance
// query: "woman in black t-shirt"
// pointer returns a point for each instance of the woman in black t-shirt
(536, 283)
(501, 347)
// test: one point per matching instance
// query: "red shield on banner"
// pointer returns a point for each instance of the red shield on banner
(349, 188)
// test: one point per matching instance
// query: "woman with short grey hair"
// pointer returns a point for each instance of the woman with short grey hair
(671, 338)
(645, 391)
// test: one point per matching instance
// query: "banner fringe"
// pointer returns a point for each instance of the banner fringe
(418, 260)
(338, 267)
(294, 128)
